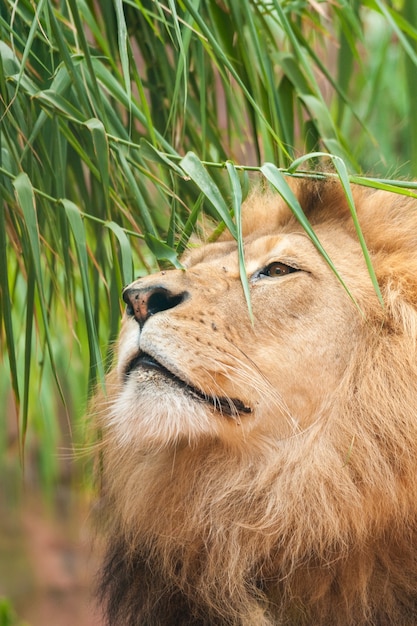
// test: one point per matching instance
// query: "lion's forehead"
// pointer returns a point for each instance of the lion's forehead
(261, 249)
(256, 250)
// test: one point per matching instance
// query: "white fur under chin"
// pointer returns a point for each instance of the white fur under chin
(156, 413)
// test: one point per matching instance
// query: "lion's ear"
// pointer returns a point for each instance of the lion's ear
(397, 278)
(403, 317)
(389, 225)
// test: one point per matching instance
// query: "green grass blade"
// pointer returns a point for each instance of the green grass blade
(410, 12)
(193, 168)
(344, 179)
(59, 85)
(183, 41)
(6, 306)
(345, 182)
(125, 252)
(122, 39)
(116, 91)
(138, 201)
(237, 208)
(162, 251)
(190, 224)
(224, 60)
(277, 180)
(53, 100)
(101, 150)
(79, 234)
(411, 53)
(151, 153)
(94, 96)
(26, 200)
(30, 307)
(67, 58)
(29, 42)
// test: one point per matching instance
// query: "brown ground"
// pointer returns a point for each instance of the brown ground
(47, 560)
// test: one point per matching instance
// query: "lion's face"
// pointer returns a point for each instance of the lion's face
(192, 364)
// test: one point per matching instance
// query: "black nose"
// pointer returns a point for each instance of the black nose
(142, 302)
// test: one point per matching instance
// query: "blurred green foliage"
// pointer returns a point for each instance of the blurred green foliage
(8, 616)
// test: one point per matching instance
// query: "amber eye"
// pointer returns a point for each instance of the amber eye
(277, 269)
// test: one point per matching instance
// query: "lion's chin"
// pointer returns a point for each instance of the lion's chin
(144, 364)
(152, 411)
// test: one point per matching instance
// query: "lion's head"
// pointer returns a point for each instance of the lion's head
(263, 471)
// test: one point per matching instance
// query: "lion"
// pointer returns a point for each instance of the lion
(260, 468)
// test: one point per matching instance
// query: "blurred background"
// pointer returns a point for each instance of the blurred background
(126, 127)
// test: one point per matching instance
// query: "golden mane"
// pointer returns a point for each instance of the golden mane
(257, 523)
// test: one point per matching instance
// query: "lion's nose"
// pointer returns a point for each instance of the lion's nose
(142, 302)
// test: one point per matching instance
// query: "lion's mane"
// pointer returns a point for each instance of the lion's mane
(314, 529)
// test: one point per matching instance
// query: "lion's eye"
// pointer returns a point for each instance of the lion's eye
(277, 269)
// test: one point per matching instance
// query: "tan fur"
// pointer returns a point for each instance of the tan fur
(302, 512)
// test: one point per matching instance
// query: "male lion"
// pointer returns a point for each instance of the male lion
(264, 472)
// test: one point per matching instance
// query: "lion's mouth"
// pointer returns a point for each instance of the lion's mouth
(225, 405)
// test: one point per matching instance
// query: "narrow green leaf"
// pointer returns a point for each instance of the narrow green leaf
(218, 51)
(78, 231)
(412, 55)
(277, 180)
(6, 306)
(143, 104)
(9, 60)
(189, 225)
(410, 12)
(59, 84)
(28, 45)
(401, 187)
(237, 207)
(116, 91)
(67, 58)
(123, 39)
(322, 116)
(162, 252)
(193, 167)
(151, 153)
(125, 252)
(285, 94)
(344, 179)
(101, 151)
(298, 51)
(26, 200)
(30, 308)
(183, 41)
(136, 195)
(293, 72)
(95, 96)
(53, 100)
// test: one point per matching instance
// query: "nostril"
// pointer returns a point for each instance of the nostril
(162, 301)
(146, 301)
